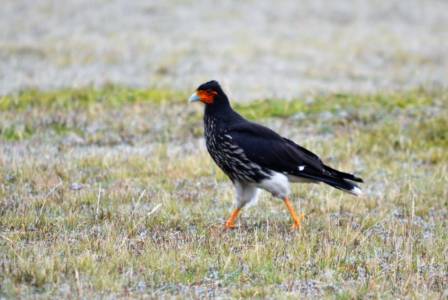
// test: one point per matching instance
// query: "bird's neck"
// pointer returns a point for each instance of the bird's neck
(220, 109)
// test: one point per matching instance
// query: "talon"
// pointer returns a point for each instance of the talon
(296, 226)
(297, 223)
(230, 223)
(229, 226)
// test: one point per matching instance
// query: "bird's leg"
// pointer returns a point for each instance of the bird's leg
(297, 220)
(230, 223)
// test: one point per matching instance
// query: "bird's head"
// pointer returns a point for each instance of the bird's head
(209, 93)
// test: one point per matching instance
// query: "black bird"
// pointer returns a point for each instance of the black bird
(255, 157)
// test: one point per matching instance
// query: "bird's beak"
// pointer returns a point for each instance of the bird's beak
(194, 98)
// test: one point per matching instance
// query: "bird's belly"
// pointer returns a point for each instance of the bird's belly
(277, 184)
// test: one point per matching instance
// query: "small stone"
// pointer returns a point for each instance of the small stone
(76, 186)
(65, 289)
(299, 116)
(73, 139)
(10, 178)
(141, 286)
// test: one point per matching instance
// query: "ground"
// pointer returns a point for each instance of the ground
(110, 193)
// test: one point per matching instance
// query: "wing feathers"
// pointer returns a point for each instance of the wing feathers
(269, 150)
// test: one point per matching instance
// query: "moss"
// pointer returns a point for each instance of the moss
(117, 95)
(432, 131)
(16, 133)
(269, 108)
(83, 97)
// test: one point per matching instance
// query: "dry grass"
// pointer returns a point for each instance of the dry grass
(113, 195)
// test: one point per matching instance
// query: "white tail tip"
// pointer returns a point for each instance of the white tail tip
(356, 191)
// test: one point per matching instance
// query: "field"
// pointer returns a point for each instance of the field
(110, 193)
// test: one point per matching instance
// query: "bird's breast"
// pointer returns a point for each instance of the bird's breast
(229, 156)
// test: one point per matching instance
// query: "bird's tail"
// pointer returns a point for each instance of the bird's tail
(337, 179)
(343, 175)
(343, 181)
(343, 185)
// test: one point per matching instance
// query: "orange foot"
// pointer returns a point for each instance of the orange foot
(230, 223)
(298, 222)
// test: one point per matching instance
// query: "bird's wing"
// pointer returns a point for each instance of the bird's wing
(270, 150)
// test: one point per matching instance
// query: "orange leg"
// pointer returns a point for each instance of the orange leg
(297, 220)
(230, 224)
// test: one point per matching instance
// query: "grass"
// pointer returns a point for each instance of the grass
(70, 99)
(111, 191)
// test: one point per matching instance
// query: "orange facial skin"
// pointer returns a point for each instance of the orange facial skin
(206, 96)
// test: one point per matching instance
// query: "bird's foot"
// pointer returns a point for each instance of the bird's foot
(298, 222)
(229, 225)
(295, 226)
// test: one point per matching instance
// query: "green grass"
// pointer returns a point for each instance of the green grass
(70, 99)
(111, 191)
(333, 103)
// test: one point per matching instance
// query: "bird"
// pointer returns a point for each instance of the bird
(255, 157)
